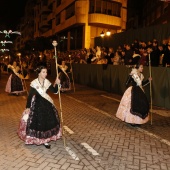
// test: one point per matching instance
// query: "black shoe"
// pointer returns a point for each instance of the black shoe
(134, 125)
(48, 146)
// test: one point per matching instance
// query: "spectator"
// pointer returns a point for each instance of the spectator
(128, 55)
(136, 57)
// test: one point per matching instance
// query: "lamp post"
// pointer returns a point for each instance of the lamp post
(108, 33)
(102, 34)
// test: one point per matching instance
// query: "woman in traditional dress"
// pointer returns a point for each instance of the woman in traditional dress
(134, 106)
(14, 84)
(40, 121)
(64, 78)
(25, 71)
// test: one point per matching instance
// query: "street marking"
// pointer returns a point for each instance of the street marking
(68, 130)
(72, 154)
(159, 112)
(139, 129)
(110, 98)
(90, 149)
(155, 136)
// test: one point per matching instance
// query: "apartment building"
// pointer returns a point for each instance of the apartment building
(75, 23)
(147, 13)
(26, 27)
(155, 12)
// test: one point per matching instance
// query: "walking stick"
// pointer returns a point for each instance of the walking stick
(23, 80)
(72, 73)
(150, 74)
(59, 86)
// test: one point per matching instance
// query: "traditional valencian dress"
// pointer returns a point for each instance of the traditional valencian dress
(14, 84)
(134, 106)
(64, 78)
(41, 124)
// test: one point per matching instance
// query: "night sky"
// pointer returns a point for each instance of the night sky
(10, 13)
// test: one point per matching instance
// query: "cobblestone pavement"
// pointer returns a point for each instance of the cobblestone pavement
(95, 139)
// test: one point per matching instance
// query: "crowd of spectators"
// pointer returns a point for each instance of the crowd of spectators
(128, 54)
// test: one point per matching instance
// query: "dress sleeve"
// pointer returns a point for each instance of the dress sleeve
(31, 93)
(53, 89)
(128, 81)
(144, 83)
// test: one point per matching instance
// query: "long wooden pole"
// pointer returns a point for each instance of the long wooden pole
(150, 75)
(72, 73)
(59, 94)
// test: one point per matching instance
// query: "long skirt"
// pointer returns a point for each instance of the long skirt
(41, 124)
(127, 108)
(14, 84)
(64, 81)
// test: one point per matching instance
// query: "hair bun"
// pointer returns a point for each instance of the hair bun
(38, 69)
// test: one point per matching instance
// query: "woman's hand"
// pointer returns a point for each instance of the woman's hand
(57, 81)
(27, 110)
(150, 79)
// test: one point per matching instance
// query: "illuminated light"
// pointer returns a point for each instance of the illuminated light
(3, 50)
(10, 32)
(165, 0)
(102, 34)
(19, 54)
(108, 33)
(5, 42)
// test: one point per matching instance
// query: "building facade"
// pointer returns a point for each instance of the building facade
(155, 12)
(26, 26)
(147, 13)
(75, 23)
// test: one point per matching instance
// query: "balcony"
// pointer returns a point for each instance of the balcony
(44, 24)
(103, 20)
(50, 17)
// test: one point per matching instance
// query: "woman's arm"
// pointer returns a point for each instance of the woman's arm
(128, 81)
(53, 88)
(146, 82)
(31, 93)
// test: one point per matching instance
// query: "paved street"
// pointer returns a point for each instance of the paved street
(95, 138)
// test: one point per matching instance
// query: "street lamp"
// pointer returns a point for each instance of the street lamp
(102, 34)
(108, 33)
(19, 54)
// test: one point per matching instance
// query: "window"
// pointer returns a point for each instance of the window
(105, 7)
(58, 2)
(91, 6)
(58, 19)
(70, 11)
(76, 39)
(98, 6)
